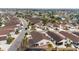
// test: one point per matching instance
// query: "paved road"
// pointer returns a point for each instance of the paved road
(16, 43)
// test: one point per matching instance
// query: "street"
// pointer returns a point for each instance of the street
(17, 42)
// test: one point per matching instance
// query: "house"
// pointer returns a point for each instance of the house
(36, 37)
(34, 20)
(58, 39)
(74, 38)
(45, 47)
(10, 26)
(45, 42)
(13, 21)
(56, 36)
(70, 35)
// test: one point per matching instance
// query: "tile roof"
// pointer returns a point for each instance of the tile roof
(34, 20)
(9, 27)
(70, 35)
(76, 32)
(3, 38)
(56, 36)
(36, 37)
(13, 21)
(39, 35)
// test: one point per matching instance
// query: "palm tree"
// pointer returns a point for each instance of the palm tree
(25, 43)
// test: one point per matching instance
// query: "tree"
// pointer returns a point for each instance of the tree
(40, 14)
(19, 14)
(25, 42)
(17, 31)
(45, 20)
(26, 33)
(58, 19)
(53, 21)
(50, 14)
(77, 16)
(68, 43)
(50, 46)
(9, 39)
(71, 16)
(0, 22)
(16, 13)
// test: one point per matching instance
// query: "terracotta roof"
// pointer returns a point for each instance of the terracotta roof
(13, 21)
(56, 36)
(39, 35)
(70, 35)
(9, 27)
(76, 32)
(34, 20)
(6, 30)
(55, 25)
(36, 37)
(3, 38)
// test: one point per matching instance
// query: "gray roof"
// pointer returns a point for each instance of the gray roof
(56, 36)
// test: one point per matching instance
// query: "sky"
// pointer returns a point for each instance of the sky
(39, 3)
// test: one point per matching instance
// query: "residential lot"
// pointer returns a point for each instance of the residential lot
(39, 30)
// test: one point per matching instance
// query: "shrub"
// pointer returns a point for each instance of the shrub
(9, 40)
